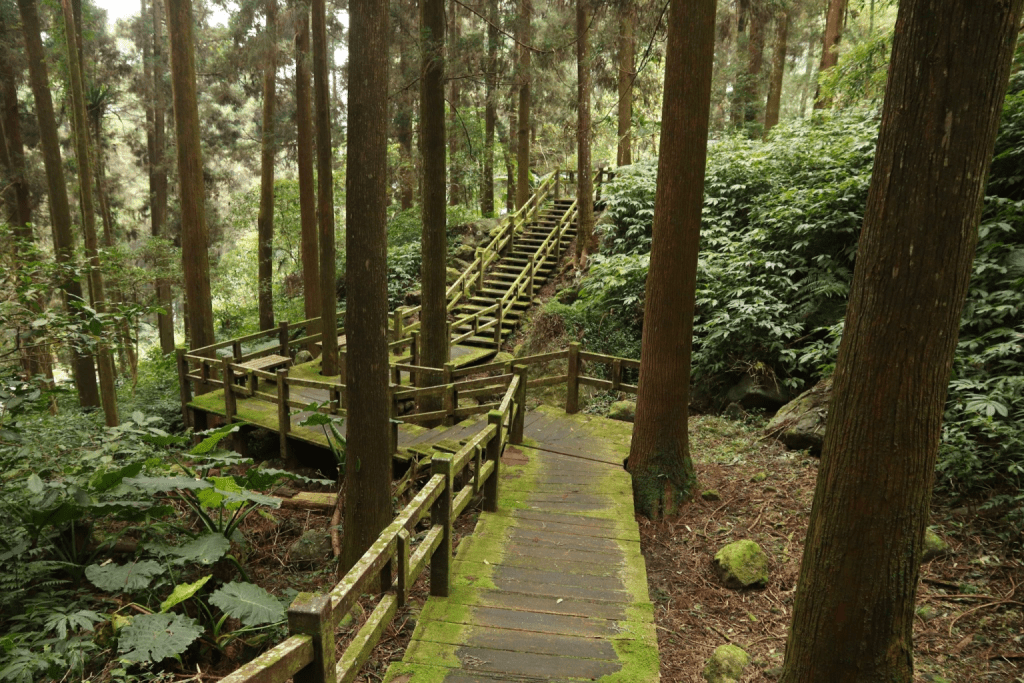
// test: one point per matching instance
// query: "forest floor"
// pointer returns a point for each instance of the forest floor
(969, 624)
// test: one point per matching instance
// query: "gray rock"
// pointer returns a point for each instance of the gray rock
(467, 252)
(623, 410)
(303, 356)
(310, 549)
(934, 546)
(734, 411)
(711, 495)
(753, 392)
(726, 664)
(800, 424)
(742, 565)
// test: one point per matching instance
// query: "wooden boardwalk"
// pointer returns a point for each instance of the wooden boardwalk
(553, 586)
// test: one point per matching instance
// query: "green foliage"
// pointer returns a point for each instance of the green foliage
(126, 578)
(250, 604)
(155, 637)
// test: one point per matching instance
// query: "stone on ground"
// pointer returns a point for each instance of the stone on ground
(711, 495)
(800, 424)
(310, 549)
(623, 410)
(934, 546)
(726, 664)
(303, 356)
(753, 392)
(742, 565)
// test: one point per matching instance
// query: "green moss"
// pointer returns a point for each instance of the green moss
(667, 482)
(640, 662)
(742, 564)
(726, 664)
(404, 672)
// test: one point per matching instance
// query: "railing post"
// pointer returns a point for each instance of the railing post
(310, 615)
(229, 395)
(451, 399)
(558, 184)
(402, 570)
(572, 396)
(480, 254)
(398, 324)
(236, 349)
(491, 486)
(519, 418)
(284, 416)
(501, 320)
(414, 352)
(184, 385)
(441, 513)
(533, 270)
(616, 374)
(282, 333)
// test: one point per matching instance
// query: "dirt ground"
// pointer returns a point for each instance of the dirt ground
(969, 624)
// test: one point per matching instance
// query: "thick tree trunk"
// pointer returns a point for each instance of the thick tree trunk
(158, 180)
(584, 184)
(853, 616)
(830, 46)
(490, 110)
(524, 78)
(311, 296)
(403, 127)
(191, 189)
(105, 361)
(325, 192)
(512, 153)
(659, 458)
(268, 152)
(771, 110)
(60, 212)
(627, 72)
(455, 189)
(368, 465)
(755, 65)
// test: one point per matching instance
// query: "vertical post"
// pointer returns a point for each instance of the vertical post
(282, 333)
(342, 374)
(491, 489)
(236, 349)
(449, 405)
(558, 184)
(402, 570)
(310, 614)
(533, 270)
(500, 316)
(284, 417)
(229, 393)
(334, 400)
(616, 374)
(480, 253)
(572, 396)
(518, 419)
(398, 323)
(184, 384)
(441, 514)
(414, 353)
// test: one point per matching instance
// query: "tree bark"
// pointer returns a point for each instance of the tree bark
(268, 152)
(83, 369)
(404, 104)
(830, 46)
(737, 107)
(659, 457)
(584, 183)
(854, 611)
(512, 153)
(808, 75)
(455, 189)
(434, 317)
(368, 462)
(105, 361)
(490, 110)
(325, 192)
(627, 73)
(771, 110)
(311, 295)
(755, 65)
(158, 181)
(524, 78)
(191, 188)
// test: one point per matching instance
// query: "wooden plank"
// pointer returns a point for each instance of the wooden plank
(277, 664)
(359, 650)
(427, 546)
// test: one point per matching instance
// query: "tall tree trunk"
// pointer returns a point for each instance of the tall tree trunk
(771, 110)
(325, 192)
(490, 110)
(805, 90)
(403, 126)
(158, 181)
(311, 295)
(434, 318)
(853, 616)
(454, 107)
(659, 457)
(368, 462)
(512, 153)
(737, 107)
(524, 78)
(191, 189)
(830, 46)
(60, 211)
(268, 151)
(755, 65)
(584, 184)
(627, 72)
(105, 361)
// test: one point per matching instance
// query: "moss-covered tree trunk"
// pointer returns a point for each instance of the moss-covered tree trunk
(627, 73)
(584, 184)
(659, 457)
(830, 46)
(310, 248)
(523, 78)
(853, 616)
(771, 110)
(268, 151)
(325, 192)
(368, 462)
(83, 369)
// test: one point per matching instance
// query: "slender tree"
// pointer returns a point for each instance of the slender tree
(404, 106)
(751, 82)
(490, 110)
(584, 184)
(771, 111)
(853, 616)
(659, 457)
(434, 318)
(311, 296)
(830, 46)
(268, 152)
(325, 192)
(192, 192)
(60, 211)
(368, 462)
(512, 151)
(524, 78)
(455, 188)
(105, 362)
(627, 73)
(158, 178)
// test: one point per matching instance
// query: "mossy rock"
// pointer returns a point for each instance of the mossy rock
(711, 495)
(624, 411)
(800, 424)
(759, 477)
(310, 549)
(934, 546)
(742, 565)
(452, 274)
(503, 357)
(303, 356)
(726, 664)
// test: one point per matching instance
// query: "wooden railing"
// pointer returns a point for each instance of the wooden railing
(391, 562)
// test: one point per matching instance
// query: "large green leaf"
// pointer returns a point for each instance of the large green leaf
(248, 603)
(108, 480)
(263, 478)
(117, 578)
(211, 441)
(155, 637)
(206, 549)
(183, 591)
(163, 484)
(228, 493)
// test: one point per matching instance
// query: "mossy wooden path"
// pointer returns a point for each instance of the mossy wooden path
(553, 586)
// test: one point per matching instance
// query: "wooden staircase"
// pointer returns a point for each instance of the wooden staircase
(503, 275)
